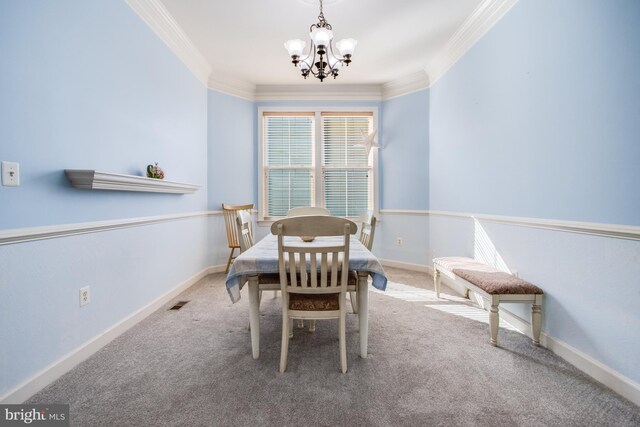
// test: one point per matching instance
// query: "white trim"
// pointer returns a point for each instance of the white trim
(405, 265)
(30, 234)
(631, 232)
(46, 376)
(335, 92)
(486, 15)
(405, 85)
(600, 372)
(403, 212)
(585, 363)
(95, 180)
(231, 86)
(597, 370)
(158, 18)
(620, 384)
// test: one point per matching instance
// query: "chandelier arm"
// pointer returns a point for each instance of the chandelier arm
(334, 55)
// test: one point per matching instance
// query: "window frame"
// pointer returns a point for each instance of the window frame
(317, 153)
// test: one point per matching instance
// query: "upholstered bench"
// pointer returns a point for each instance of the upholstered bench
(493, 284)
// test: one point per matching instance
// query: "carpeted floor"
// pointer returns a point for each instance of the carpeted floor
(430, 363)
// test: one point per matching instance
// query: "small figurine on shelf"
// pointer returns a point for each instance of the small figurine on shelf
(155, 172)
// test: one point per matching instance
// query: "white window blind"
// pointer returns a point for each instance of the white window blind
(311, 158)
(289, 162)
(347, 173)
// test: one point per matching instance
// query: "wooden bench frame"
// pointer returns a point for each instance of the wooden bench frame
(495, 300)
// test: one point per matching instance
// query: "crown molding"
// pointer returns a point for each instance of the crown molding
(231, 86)
(486, 15)
(325, 92)
(405, 85)
(158, 18)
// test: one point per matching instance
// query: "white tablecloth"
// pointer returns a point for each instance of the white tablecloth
(263, 258)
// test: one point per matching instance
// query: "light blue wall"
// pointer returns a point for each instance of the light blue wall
(405, 156)
(540, 119)
(232, 151)
(89, 85)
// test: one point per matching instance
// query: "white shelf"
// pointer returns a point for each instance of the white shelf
(96, 180)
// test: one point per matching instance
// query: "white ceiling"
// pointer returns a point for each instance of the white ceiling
(243, 39)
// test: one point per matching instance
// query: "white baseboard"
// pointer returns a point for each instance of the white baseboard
(405, 265)
(220, 268)
(58, 368)
(597, 370)
(590, 366)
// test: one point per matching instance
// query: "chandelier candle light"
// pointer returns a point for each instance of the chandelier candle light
(320, 60)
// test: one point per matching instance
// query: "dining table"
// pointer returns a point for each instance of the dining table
(262, 259)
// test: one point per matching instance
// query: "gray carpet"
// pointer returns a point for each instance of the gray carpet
(193, 367)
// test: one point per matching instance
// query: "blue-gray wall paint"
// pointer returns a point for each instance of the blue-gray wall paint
(232, 151)
(541, 119)
(405, 153)
(86, 84)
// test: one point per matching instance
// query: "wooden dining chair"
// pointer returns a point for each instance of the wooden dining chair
(305, 211)
(244, 230)
(313, 279)
(308, 210)
(230, 213)
(367, 232)
(367, 229)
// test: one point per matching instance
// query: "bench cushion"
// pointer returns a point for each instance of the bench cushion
(487, 278)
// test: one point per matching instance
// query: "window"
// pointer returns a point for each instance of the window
(310, 158)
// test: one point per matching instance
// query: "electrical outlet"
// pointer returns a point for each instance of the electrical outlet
(10, 174)
(399, 241)
(85, 297)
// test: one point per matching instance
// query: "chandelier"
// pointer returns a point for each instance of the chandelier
(320, 60)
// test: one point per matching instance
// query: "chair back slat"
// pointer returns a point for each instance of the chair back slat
(312, 267)
(244, 230)
(334, 269)
(323, 270)
(303, 269)
(229, 212)
(300, 271)
(367, 229)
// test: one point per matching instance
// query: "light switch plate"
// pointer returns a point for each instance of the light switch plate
(10, 174)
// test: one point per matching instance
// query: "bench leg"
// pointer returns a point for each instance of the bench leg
(436, 281)
(536, 319)
(494, 320)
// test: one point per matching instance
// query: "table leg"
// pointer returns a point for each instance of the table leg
(254, 315)
(363, 311)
